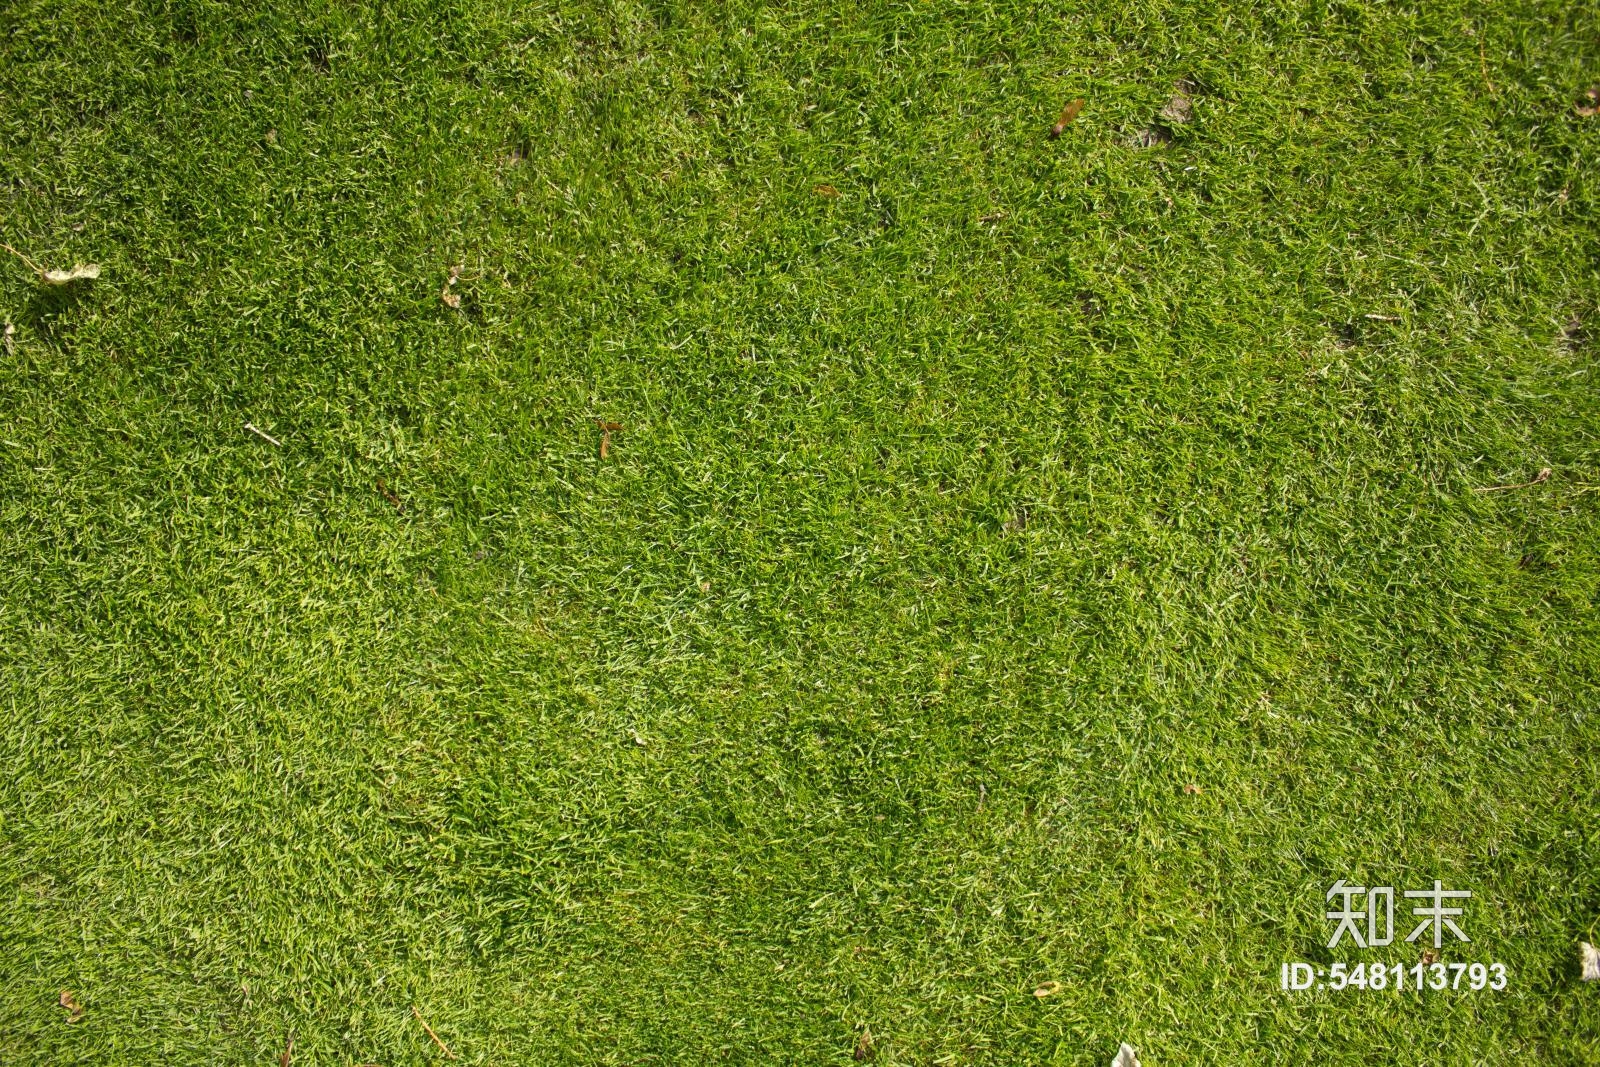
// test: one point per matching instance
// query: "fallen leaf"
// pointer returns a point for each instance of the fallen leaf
(606, 429)
(80, 272)
(1068, 113)
(70, 1002)
(1193, 790)
(288, 1053)
(825, 190)
(1592, 108)
(11, 339)
(1430, 956)
(1047, 989)
(705, 587)
(1590, 955)
(863, 1046)
(1125, 1057)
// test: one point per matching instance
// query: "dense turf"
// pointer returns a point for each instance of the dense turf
(957, 524)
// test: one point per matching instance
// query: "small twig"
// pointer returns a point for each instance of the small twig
(1382, 318)
(982, 792)
(31, 264)
(1483, 65)
(436, 1041)
(262, 434)
(1544, 475)
(288, 1053)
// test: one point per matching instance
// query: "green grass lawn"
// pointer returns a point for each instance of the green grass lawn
(1046, 560)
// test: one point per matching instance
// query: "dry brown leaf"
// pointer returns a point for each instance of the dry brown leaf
(288, 1053)
(825, 190)
(70, 1002)
(1430, 956)
(863, 1045)
(606, 430)
(1068, 113)
(1193, 790)
(1592, 108)
(1047, 989)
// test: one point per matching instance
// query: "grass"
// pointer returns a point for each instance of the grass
(956, 525)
